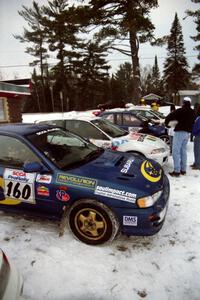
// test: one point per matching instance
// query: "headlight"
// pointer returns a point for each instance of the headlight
(148, 201)
(159, 150)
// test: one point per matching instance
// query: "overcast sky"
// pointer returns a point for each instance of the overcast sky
(14, 61)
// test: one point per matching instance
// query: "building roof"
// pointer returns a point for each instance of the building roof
(189, 92)
(152, 96)
(13, 91)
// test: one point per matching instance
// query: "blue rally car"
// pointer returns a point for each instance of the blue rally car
(47, 170)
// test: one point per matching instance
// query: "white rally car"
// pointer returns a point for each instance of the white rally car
(105, 134)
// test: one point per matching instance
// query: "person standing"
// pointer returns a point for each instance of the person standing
(171, 125)
(185, 118)
(196, 134)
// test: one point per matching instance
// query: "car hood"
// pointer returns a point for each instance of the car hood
(150, 141)
(123, 170)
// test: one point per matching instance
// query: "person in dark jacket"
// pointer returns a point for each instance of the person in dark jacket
(196, 134)
(185, 117)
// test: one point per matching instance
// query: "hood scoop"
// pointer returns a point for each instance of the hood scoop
(110, 158)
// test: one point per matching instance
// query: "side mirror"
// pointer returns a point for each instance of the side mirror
(35, 167)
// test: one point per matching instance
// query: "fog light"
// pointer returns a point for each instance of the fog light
(154, 218)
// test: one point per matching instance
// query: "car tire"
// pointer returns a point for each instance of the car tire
(92, 222)
(165, 138)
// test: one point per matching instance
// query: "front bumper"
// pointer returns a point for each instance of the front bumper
(145, 221)
(161, 158)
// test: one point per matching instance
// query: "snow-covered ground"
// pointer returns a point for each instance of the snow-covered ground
(161, 267)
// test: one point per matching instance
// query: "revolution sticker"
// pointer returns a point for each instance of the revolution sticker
(74, 180)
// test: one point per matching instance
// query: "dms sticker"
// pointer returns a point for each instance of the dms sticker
(130, 220)
(150, 172)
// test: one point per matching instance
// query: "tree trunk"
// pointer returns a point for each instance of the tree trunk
(136, 67)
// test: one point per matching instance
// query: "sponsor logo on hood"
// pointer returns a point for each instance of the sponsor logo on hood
(151, 172)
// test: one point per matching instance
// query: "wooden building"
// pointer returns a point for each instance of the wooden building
(11, 99)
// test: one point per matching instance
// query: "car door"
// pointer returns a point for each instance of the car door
(131, 122)
(18, 188)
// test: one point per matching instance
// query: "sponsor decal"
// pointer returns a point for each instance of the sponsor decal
(16, 175)
(150, 172)
(74, 180)
(130, 220)
(6, 201)
(61, 194)
(137, 136)
(99, 143)
(127, 165)
(141, 138)
(47, 130)
(117, 143)
(151, 138)
(18, 187)
(43, 191)
(43, 178)
(115, 194)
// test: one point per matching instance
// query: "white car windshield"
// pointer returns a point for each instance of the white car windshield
(109, 128)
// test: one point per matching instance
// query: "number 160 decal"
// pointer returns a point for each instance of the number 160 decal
(19, 185)
(14, 190)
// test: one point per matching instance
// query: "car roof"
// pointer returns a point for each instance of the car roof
(80, 118)
(24, 129)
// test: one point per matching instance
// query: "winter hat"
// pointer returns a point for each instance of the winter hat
(187, 99)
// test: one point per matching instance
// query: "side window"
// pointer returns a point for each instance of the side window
(85, 129)
(14, 153)
(131, 120)
(118, 119)
(109, 117)
(59, 123)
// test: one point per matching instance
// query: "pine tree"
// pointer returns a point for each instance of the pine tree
(36, 36)
(124, 76)
(155, 78)
(126, 20)
(91, 73)
(61, 34)
(176, 74)
(196, 15)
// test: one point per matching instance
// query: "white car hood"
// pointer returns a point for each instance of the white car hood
(149, 141)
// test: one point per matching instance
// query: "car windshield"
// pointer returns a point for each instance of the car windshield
(64, 149)
(147, 114)
(109, 128)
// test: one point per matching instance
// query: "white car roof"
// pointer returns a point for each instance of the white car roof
(82, 118)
